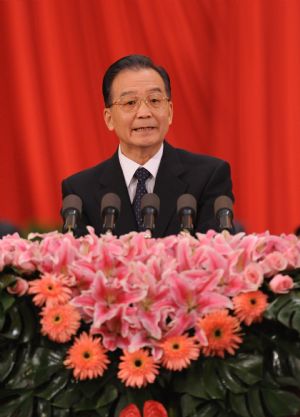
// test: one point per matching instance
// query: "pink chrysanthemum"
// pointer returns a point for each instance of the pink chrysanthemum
(137, 369)
(222, 332)
(87, 357)
(249, 307)
(49, 289)
(178, 351)
(60, 322)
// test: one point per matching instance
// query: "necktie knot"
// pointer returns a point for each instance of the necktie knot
(142, 174)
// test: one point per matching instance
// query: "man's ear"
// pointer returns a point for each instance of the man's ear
(170, 112)
(108, 118)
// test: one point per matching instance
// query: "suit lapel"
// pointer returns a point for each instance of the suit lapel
(168, 186)
(112, 181)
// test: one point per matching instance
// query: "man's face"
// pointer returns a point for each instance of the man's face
(144, 128)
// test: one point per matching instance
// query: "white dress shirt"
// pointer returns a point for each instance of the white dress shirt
(129, 167)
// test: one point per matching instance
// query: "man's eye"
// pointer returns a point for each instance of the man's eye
(130, 103)
(155, 100)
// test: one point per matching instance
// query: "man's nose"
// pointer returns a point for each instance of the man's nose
(143, 109)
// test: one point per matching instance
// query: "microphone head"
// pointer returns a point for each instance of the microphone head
(186, 201)
(150, 200)
(110, 200)
(223, 202)
(73, 202)
(224, 213)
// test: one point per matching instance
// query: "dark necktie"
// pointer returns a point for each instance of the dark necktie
(142, 174)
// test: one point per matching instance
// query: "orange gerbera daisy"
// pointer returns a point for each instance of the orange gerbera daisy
(60, 322)
(249, 307)
(49, 289)
(137, 369)
(87, 357)
(222, 332)
(178, 351)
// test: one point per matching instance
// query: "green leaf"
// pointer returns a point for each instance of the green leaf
(90, 387)
(238, 404)
(57, 384)
(229, 380)
(285, 367)
(60, 412)
(25, 409)
(208, 410)
(109, 394)
(22, 356)
(37, 369)
(29, 319)
(11, 408)
(2, 316)
(15, 325)
(280, 403)
(189, 405)
(276, 305)
(7, 361)
(6, 280)
(102, 412)
(286, 309)
(295, 367)
(254, 402)
(213, 386)
(284, 315)
(68, 397)
(6, 301)
(85, 404)
(247, 367)
(296, 320)
(43, 408)
(289, 347)
(191, 381)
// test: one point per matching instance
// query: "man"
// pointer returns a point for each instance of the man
(138, 108)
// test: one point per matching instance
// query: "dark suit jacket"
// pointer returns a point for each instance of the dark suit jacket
(180, 172)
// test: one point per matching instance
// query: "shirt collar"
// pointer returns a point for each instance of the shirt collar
(129, 166)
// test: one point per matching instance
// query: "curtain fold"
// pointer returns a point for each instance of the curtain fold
(235, 73)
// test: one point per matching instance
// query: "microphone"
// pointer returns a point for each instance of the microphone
(150, 204)
(186, 210)
(110, 210)
(223, 208)
(71, 212)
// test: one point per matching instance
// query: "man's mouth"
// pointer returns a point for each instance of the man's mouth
(144, 129)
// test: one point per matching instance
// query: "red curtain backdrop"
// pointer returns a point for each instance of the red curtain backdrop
(235, 71)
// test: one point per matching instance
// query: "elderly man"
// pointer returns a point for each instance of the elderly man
(139, 109)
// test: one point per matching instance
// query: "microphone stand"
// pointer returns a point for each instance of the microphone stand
(149, 208)
(149, 220)
(110, 216)
(71, 221)
(187, 225)
(186, 210)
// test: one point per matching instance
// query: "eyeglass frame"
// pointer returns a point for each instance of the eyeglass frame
(139, 102)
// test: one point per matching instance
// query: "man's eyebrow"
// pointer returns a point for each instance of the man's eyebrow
(158, 89)
(126, 93)
(151, 90)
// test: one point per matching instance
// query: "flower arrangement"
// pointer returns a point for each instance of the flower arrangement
(207, 326)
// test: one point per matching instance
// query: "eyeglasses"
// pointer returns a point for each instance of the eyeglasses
(154, 101)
